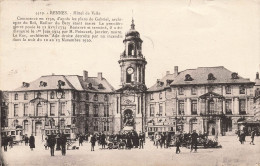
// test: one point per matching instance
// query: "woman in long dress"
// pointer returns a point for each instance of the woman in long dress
(32, 142)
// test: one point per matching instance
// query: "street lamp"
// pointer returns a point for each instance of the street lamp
(59, 95)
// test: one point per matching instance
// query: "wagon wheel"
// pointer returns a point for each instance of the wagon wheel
(110, 145)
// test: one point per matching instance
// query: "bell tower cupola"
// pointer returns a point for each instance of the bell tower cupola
(132, 61)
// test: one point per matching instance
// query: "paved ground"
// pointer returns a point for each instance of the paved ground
(232, 153)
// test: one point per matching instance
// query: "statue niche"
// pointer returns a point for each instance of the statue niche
(128, 118)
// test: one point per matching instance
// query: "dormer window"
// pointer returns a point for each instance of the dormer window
(234, 76)
(100, 86)
(90, 86)
(26, 85)
(25, 96)
(211, 77)
(16, 96)
(43, 84)
(160, 83)
(242, 90)
(95, 97)
(188, 78)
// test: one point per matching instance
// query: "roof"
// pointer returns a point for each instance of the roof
(162, 83)
(221, 75)
(72, 82)
(199, 76)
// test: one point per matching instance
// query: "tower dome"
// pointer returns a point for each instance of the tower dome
(132, 33)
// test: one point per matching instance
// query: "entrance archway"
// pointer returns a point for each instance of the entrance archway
(212, 127)
(38, 128)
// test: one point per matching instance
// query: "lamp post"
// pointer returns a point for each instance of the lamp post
(59, 95)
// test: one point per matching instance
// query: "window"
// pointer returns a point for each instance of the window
(16, 96)
(62, 123)
(16, 109)
(95, 112)
(242, 106)
(160, 109)
(52, 109)
(228, 89)
(106, 111)
(211, 107)
(106, 126)
(100, 86)
(95, 97)
(25, 110)
(95, 126)
(193, 90)
(74, 109)
(106, 98)
(211, 77)
(181, 107)
(151, 96)
(234, 76)
(194, 107)
(188, 77)
(39, 95)
(63, 95)
(130, 49)
(242, 90)
(25, 96)
(160, 95)
(87, 110)
(181, 91)
(39, 110)
(87, 96)
(62, 109)
(25, 123)
(228, 106)
(151, 110)
(52, 95)
(74, 95)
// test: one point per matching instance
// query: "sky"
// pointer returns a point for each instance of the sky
(187, 34)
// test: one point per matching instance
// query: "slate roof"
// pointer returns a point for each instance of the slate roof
(200, 77)
(72, 82)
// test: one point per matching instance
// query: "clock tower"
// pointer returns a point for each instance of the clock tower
(131, 61)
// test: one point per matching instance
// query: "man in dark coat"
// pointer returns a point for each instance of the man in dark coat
(63, 141)
(51, 143)
(178, 143)
(32, 142)
(103, 140)
(5, 142)
(141, 140)
(11, 141)
(80, 140)
(93, 142)
(194, 137)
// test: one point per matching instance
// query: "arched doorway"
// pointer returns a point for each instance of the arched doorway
(38, 128)
(212, 127)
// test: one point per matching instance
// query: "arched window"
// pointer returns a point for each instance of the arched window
(211, 77)
(188, 77)
(130, 49)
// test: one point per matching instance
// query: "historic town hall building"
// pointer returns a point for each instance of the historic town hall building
(207, 99)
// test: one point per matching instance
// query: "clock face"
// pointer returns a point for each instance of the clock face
(130, 70)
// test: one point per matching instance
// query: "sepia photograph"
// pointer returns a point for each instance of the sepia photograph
(145, 83)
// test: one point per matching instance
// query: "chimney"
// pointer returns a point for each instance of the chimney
(100, 75)
(85, 75)
(168, 72)
(257, 76)
(175, 71)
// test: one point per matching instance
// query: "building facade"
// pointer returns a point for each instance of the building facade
(207, 99)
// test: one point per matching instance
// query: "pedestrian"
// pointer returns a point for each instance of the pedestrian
(26, 140)
(252, 137)
(194, 137)
(178, 143)
(157, 139)
(63, 141)
(32, 142)
(141, 140)
(11, 141)
(80, 140)
(128, 141)
(46, 145)
(51, 143)
(93, 142)
(5, 142)
(103, 140)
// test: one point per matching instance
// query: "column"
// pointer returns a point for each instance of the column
(236, 106)
(198, 106)
(219, 127)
